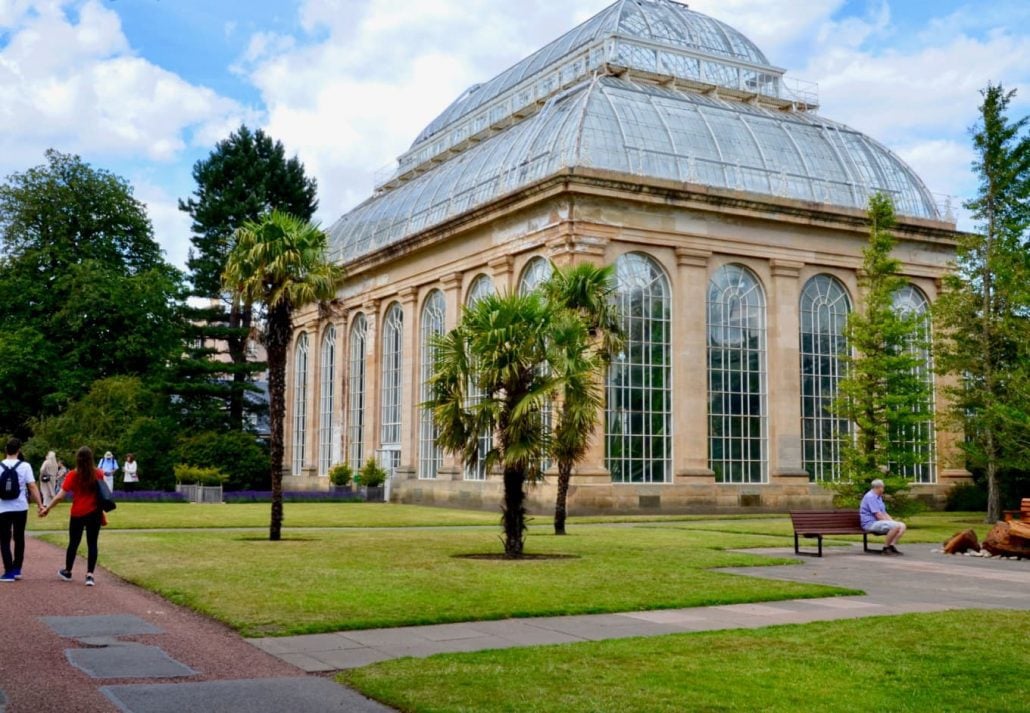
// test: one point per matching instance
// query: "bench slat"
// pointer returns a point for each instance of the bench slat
(816, 523)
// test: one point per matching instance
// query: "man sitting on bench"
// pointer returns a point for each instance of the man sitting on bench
(874, 518)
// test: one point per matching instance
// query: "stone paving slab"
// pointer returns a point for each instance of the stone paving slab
(266, 695)
(132, 661)
(110, 625)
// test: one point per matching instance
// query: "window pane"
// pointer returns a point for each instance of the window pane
(430, 454)
(356, 393)
(300, 403)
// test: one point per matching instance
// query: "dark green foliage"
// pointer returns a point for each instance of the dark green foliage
(984, 311)
(246, 176)
(118, 414)
(238, 454)
(967, 497)
(341, 474)
(83, 287)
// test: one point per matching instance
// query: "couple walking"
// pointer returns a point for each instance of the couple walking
(86, 515)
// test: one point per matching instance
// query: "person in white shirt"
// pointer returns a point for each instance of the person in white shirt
(130, 475)
(109, 465)
(14, 512)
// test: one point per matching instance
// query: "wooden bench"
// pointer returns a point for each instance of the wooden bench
(816, 523)
(1021, 515)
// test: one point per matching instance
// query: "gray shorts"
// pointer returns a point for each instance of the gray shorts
(882, 527)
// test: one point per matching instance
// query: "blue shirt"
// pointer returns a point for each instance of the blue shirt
(871, 504)
(108, 465)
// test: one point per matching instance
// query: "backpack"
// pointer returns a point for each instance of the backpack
(10, 488)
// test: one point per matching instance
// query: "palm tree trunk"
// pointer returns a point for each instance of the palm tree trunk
(277, 341)
(560, 507)
(514, 512)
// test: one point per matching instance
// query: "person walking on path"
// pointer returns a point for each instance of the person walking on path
(872, 514)
(86, 514)
(130, 475)
(108, 465)
(48, 473)
(16, 484)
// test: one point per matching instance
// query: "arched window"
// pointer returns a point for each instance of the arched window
(390, 412)
(910, 301)
(300, 402)
(481, 287)
(356, 393)
(638, 417)
(536, 272)
(328, 432)
(824, 314)
(736, 377)
(430, 454)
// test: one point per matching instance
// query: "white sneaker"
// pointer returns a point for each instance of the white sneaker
(89, 580)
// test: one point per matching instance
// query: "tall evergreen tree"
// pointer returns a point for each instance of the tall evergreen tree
(984, 313)
(245, 176)
(884, 394)
(86, 293)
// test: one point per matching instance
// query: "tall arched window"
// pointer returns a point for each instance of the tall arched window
(356, 393)
(328, 432)
(390, 411)
(638, 417)
(736, 376)
(824, 314)
(430, 454)
(481, 287)
(536, 272)
(909, 300)
(300, 402)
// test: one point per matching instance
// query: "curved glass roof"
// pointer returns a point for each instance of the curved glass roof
(660, 22)
(638, 128)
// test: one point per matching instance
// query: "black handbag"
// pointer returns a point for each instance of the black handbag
(104, 496)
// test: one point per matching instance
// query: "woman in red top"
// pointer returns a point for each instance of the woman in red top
(85, 515)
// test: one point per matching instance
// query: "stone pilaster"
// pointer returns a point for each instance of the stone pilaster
(784, 374)
(409, 379)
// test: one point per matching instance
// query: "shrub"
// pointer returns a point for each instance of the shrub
(237, 454)
(191, 474)
(372, 475)
(341, 474)
(301, 496)
(967, 497)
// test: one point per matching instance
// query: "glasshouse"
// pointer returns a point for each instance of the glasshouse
(661, 141)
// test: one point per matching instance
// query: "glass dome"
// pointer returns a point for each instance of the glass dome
(655, 21)
(645, 89)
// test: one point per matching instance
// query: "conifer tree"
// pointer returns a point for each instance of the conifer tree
(984, 313)
(884, 393)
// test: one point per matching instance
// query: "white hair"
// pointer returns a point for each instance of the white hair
(876, 483)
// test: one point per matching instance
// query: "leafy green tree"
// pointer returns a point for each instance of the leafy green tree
(507, 349)
(883, 393)
(83, 284)
(245, 176)
(984, 311)
(580, 359)
(237, 454)
(280, 262)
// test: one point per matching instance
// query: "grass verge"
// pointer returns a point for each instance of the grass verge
(331, 580)
(953, 661)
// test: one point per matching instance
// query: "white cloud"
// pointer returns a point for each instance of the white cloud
(171, 226)
(70, 80)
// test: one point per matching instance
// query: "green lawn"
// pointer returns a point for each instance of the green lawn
(193, 515)
(334, 579)
(952, 661)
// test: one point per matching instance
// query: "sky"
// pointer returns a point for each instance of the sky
(145, 88)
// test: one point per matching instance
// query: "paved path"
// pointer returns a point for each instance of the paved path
(69, 648)
(919, 581)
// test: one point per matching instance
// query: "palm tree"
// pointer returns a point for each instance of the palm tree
(587, 291)
(280, 262)
(503, 348)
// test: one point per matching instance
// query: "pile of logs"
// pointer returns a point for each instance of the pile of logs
(1008, 538)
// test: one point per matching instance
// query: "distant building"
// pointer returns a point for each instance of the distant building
(663, 141)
